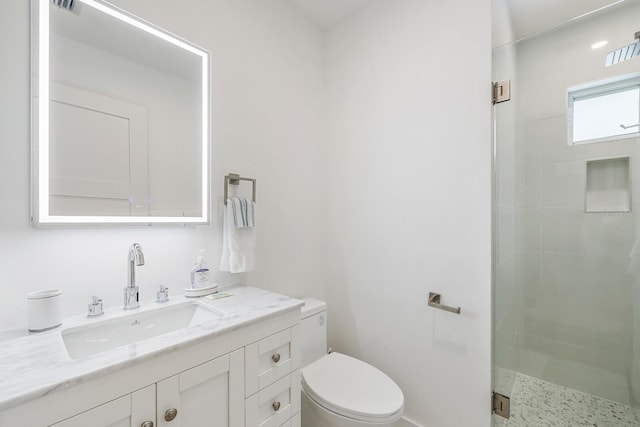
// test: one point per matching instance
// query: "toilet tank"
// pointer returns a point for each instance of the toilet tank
(313, 330)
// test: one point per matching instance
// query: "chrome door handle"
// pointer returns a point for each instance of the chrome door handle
(276, 358)
(434, 301)
(147, 424)
(276, 406)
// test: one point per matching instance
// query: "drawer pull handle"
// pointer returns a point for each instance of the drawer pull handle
(276, 359)
(147, 424)
(276, 406)
(170, 414)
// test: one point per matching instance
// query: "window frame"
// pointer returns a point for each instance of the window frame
(595, 90)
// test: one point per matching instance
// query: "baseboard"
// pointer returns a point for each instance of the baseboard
(406, 422)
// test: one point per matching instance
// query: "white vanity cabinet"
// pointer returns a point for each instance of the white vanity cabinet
(226, 379)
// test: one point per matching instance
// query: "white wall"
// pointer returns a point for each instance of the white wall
(267, 123)
(410, 200)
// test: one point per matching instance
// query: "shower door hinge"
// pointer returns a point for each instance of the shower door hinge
(501, 91)
(501, 405)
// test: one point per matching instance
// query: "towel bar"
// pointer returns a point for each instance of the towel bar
(434, 301)
(234, 179)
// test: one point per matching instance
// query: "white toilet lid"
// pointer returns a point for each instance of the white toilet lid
(353, 388)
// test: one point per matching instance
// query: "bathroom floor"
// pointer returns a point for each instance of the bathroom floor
(535, 402)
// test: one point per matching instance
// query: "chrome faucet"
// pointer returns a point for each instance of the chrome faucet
(136, 257)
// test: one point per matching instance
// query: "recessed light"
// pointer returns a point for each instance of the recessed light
(599, 44)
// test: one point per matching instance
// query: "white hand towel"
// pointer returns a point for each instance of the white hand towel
(238, 244)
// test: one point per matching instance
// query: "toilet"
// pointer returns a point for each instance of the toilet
(339, 390)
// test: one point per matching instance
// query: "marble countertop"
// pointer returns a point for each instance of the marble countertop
(34, 365)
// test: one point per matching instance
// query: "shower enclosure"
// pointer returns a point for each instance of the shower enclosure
(567, 240)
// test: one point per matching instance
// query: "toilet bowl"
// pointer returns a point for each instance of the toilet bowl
(339, 390)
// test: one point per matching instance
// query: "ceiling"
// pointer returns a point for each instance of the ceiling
(528, 16)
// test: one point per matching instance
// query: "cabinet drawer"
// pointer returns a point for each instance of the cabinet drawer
(276, 404)
(270, 359)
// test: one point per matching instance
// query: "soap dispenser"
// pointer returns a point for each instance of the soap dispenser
(200, 272)
(200, 284)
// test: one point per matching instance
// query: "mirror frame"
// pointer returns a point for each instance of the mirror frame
(40, 214)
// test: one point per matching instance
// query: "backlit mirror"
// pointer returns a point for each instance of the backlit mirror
(120, 119)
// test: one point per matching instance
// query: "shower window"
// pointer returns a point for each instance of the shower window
(606, 110)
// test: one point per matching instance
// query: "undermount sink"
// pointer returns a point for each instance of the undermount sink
(93, 338)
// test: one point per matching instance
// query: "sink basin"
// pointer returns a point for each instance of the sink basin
(86, 340)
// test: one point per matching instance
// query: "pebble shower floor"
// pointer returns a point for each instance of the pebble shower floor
(535, 402)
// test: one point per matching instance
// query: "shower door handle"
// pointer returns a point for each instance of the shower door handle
(629, 126)
(434, 301)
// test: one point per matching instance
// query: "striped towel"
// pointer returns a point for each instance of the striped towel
(244, 212)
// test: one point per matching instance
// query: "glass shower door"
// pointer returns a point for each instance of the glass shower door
(566, 248)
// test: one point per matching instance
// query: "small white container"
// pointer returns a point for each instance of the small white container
(44, 309)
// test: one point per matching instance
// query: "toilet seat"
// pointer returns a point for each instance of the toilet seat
(353, 389)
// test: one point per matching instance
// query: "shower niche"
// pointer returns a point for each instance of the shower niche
(608, 186)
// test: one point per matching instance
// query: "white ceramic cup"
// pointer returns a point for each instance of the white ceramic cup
(44, 309)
